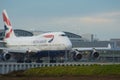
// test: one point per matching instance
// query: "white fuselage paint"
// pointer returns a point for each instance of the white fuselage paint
(39, 43)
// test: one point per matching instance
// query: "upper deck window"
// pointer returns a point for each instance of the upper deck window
(62, 35)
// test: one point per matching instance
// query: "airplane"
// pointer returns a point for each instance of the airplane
(51, 43)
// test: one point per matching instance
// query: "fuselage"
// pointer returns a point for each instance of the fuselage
(46, 41)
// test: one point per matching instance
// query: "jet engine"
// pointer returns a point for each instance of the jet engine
(94, 54)
(77, 55)
(5, 55)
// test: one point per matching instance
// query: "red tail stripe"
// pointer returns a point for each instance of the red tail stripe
(49, 36)
(6, 20)
(8, 34)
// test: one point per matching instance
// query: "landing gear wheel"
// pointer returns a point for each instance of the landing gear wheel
(28, 61)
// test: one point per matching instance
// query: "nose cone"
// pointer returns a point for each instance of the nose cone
(68, 44)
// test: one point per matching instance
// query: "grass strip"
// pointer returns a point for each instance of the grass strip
(101, 70)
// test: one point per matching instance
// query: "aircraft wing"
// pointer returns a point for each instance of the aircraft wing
(1, 41)
(92, 48)
(22, 51)
(92, 52)
(15, 50)
(3, 49)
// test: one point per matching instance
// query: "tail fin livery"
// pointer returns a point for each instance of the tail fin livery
(7, 26)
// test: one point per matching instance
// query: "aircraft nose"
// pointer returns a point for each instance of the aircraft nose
(68, 45)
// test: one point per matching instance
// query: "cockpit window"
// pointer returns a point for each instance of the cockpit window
(62, 35)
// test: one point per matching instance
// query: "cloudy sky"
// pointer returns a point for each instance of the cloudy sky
(98, 17)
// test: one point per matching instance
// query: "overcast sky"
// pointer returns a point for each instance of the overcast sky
(99, 17)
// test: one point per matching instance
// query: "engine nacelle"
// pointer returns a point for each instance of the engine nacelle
(76, 55)
(95, 54)
(6, 56)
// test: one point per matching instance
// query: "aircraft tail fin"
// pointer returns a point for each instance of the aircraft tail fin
(7, 26)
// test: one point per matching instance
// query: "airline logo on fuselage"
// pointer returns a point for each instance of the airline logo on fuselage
(44, 40)
(51, 36)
